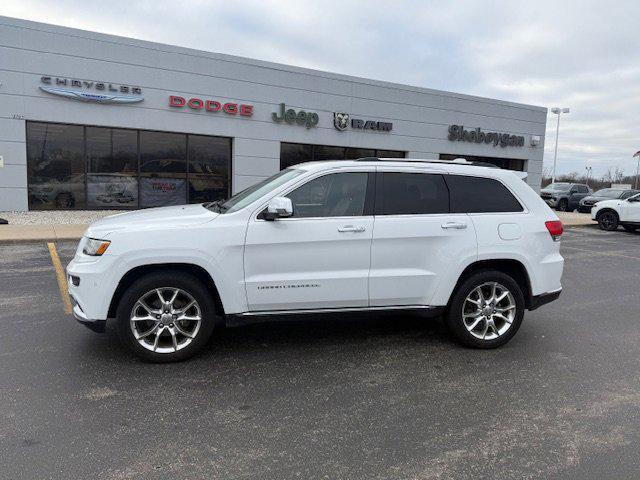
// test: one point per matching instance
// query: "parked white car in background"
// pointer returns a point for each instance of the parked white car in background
(610, 214)
(473, 243)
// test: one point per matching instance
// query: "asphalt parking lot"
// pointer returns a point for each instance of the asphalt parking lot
(366, 398)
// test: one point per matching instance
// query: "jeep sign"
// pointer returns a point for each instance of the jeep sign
(290, 116)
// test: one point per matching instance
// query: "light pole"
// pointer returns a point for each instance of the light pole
(637, 154)
(588, 169)
(557, 111)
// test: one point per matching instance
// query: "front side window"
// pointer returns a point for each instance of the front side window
(480, 195)
(333, 195)
(254, 192)
(411, 194)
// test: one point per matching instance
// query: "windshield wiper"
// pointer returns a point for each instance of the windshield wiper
(216, 206)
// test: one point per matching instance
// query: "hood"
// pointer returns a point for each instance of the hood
(178, 216)
(597, 198)
(610, 203)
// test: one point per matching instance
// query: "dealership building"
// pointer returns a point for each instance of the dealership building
(93, 121)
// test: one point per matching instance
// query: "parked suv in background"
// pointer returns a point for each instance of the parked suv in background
(564, 197)
(473, 243)
(612, 213)
(587, 203)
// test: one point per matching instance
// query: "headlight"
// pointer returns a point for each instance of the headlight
(95, 247)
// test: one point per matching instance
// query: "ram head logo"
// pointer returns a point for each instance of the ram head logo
(341, 120)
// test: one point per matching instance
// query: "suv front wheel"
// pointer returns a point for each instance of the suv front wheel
(608, 220)
(165, 317)
(486, 310)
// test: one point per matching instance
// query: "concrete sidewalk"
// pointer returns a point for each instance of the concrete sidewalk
(48, 231)
(32, 233)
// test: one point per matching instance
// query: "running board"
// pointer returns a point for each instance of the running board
(273, 315)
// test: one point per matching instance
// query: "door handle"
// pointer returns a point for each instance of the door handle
(350, 228)
(454, 226)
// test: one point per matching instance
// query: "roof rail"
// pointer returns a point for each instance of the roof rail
(456, 161)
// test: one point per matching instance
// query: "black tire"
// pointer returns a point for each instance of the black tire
(563, 205)
(65, 200)
(630, 228)
(608, 220)
(169, 280)
(454, 319)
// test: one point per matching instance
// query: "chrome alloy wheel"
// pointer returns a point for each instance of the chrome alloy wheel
(165, 320)
(488, 311)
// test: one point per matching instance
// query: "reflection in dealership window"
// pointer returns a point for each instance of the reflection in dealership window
(163, 169)
(65, 161)
(112, 164)
(55, 166)
(209, 168)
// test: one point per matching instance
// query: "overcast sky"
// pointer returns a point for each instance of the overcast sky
(583, 55)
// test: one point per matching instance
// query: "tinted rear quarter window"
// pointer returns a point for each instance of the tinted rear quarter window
(411, 194)
(480, 195)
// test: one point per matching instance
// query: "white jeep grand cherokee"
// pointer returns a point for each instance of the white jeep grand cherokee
(473, 243)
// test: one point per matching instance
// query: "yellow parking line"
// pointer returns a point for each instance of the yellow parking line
(62, 278)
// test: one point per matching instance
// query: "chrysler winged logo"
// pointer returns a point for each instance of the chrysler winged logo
(90, 90)
(340, 120)
(91, 97)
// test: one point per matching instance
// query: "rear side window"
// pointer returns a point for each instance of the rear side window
(480, 195)
(411, 194)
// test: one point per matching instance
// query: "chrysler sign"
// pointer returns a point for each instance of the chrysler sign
(458, 133)
(91, 91)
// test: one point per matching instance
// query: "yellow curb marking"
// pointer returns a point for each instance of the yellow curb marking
(62, 278)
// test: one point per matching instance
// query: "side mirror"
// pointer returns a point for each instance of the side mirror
(633, 199)
(278, 207)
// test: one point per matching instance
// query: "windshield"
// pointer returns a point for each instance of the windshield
(609, 193)
(251, 194)
(559, 186)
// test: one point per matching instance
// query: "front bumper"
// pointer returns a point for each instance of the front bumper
(551, 202)
(537, 301)
(81, 317)
(585, 208)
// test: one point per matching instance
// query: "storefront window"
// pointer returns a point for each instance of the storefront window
(163, 169)
(506, 163)
(74, 167)
(112, 167)
(55, 166)
(209, 168)
(294, 153)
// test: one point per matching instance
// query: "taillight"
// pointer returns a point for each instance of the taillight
(555, 229)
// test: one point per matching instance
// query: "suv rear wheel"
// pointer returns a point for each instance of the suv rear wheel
(486, 310)
(608, 220)
(165, 317)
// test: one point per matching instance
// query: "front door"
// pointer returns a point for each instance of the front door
(630, 211)
(317, 259)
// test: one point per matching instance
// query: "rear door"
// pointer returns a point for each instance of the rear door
(499, 218)
(416, 238)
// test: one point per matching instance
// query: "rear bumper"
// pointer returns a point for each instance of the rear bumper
(537, 301)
